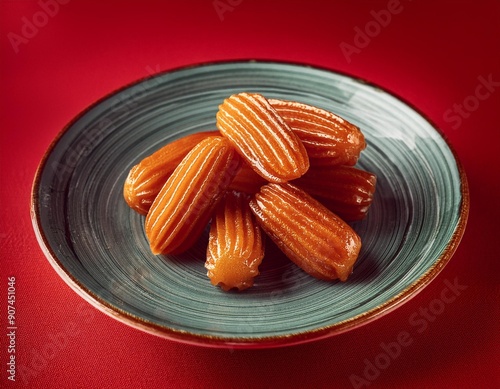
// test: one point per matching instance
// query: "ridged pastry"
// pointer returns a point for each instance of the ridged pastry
(328, 138)
(262, 137)
(185, 203)
(145, 179)
(345, 190)
(313, 237)
(235, 247)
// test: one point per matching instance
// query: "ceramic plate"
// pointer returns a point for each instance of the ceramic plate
(98, 246)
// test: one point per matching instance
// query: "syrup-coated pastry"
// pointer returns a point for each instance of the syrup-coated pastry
(345, 190)
(235, 248)
(262, 137)
(328, 138)
(145, 179)
(313, 237)
(185, 203)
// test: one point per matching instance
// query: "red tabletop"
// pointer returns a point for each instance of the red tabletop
(59, 56)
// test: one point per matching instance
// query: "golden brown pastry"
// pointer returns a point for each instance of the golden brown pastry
(313, 237)
(185, 203)
(262, 137)
(328, 138)
(235, 247)
(145, 179)
(345, 190)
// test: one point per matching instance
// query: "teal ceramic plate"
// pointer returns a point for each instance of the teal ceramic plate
(98, 246)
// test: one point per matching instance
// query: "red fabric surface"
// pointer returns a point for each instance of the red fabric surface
(434, 56)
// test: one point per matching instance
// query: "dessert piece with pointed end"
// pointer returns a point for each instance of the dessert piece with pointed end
(262, 137)
(235, 247)
(345, 190)
(328, 138)
(185, 203)
(145, 179)
(313, 237)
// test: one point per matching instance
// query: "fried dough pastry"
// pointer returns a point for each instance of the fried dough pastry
(262, 137)
(345, 190)
(235, 246)
(328, 138)
(313, 237)
(185, 203)
(145, 179)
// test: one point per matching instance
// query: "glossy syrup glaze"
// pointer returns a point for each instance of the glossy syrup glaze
(146, 179)
(235, 246)
(185, 203)
(262, 137)
(313, 237)
(345, 190)
(328, 138)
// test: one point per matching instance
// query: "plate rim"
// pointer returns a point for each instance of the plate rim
(207, 340)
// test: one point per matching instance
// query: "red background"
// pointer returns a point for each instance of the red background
(431, 55)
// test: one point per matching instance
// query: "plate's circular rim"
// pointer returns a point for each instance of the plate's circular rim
(242, 342)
